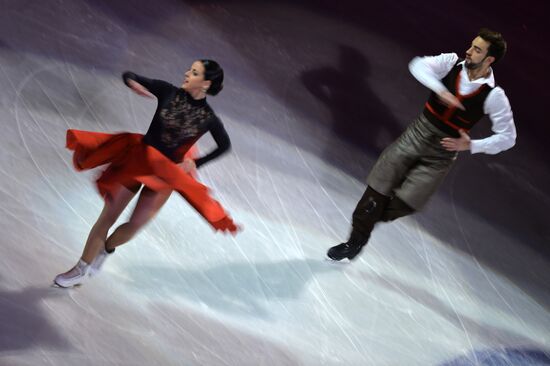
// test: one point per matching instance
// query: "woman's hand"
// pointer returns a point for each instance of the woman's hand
(140, 89)
(188, 165)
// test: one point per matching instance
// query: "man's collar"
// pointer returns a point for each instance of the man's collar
(489, 80)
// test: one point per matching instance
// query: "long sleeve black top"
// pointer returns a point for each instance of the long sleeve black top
(180, 120)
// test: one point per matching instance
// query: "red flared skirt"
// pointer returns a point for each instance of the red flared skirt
(130, 161)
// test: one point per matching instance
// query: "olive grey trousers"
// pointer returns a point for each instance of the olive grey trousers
(413, 166)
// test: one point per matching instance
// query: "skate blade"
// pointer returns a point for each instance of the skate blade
(56, 285)
(344, 261)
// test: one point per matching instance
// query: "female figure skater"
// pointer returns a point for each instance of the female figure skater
(151, 160)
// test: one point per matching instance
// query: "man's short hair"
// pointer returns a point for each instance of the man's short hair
(497, 47)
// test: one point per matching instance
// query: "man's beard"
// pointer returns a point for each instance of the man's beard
(472, 65)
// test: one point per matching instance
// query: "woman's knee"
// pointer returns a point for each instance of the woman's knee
(148, 205)
(134, 225)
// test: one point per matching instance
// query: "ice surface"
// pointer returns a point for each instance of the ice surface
(465, 282)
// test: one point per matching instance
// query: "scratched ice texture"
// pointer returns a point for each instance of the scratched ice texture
(313, 92)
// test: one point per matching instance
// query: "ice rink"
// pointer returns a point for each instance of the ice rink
(313, 92)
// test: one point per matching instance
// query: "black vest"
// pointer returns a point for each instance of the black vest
(450, 119)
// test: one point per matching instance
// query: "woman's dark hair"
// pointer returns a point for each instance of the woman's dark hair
(497, 47)
(214, 73)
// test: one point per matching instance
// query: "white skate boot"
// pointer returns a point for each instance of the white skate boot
(97, 263)
(74, 276)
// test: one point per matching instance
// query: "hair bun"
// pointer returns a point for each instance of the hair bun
(214, 73)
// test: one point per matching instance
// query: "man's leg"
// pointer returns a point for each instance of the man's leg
(389, 172)
(366, 215)
(368, 212)
(396, 209)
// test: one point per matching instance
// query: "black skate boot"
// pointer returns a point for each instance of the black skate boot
(349, 249)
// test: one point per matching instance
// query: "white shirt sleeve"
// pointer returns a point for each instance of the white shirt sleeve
(498, 108)
(429, 70)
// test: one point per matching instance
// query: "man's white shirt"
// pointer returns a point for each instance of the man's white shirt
(430, 70)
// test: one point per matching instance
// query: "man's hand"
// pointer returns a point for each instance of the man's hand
(460, 144)
(450, 100)
(139, 89)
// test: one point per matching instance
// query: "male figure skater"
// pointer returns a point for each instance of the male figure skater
(409, 171)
